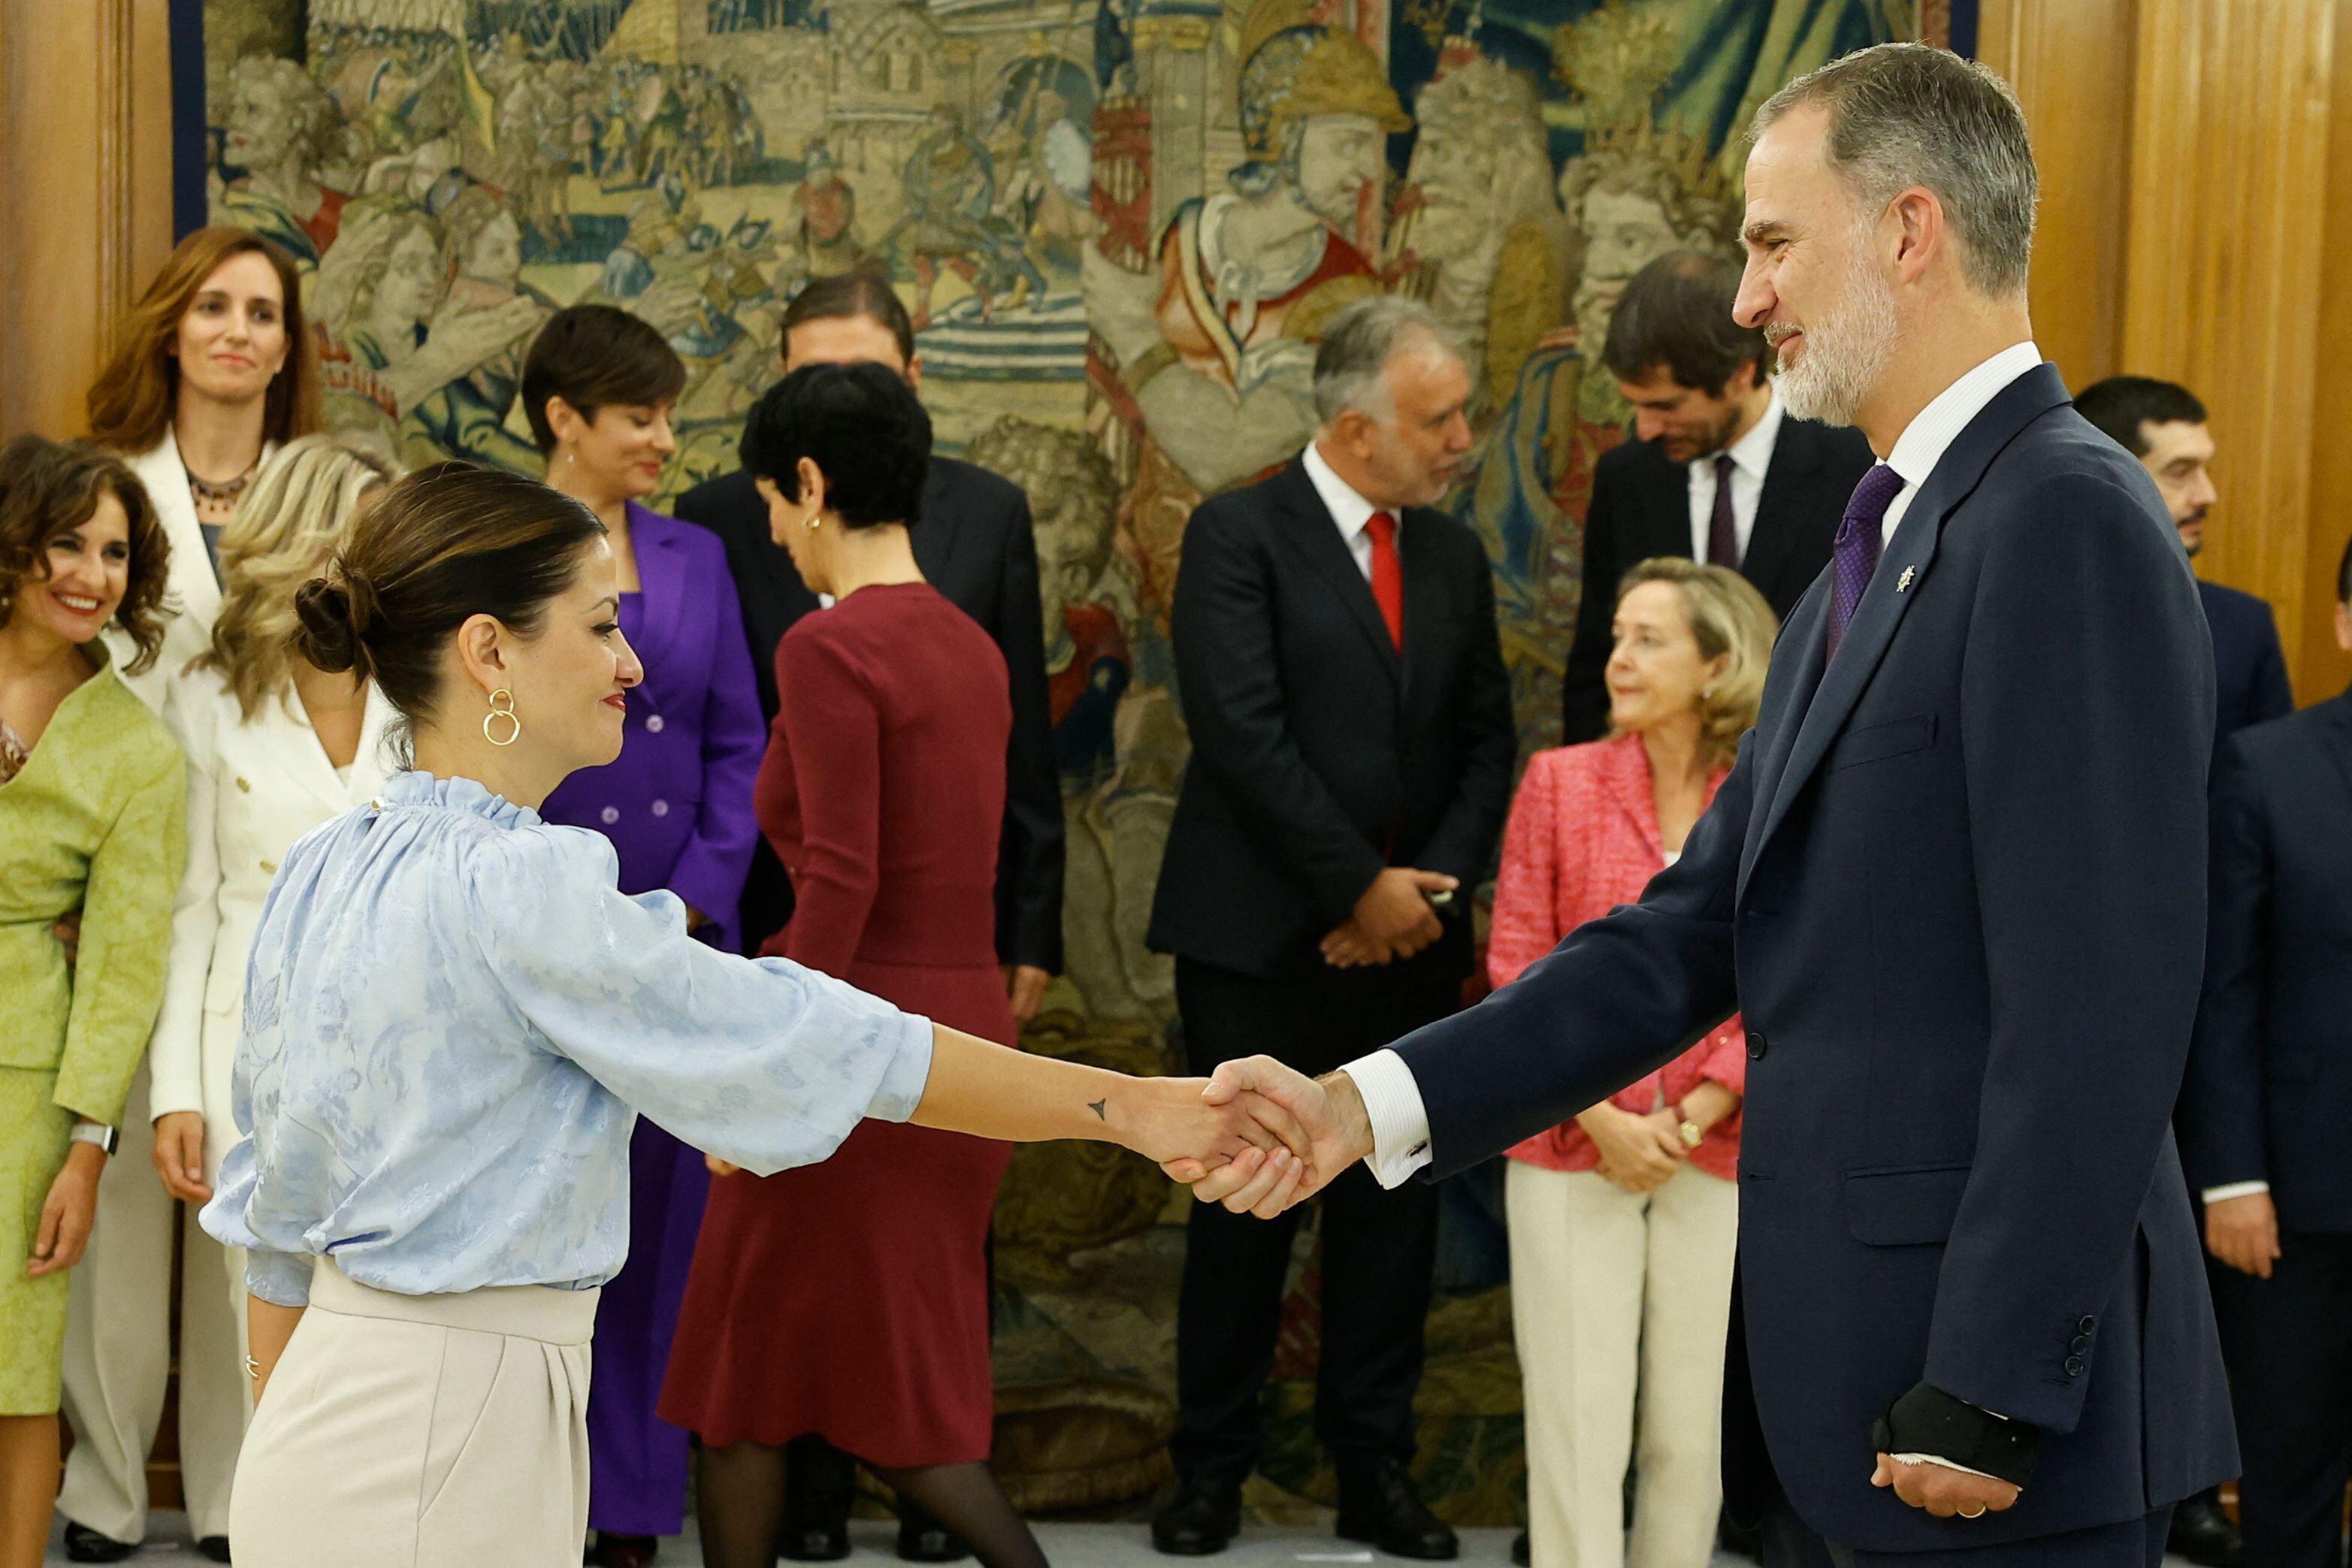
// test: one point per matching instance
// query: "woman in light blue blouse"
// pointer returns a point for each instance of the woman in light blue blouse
(452, 1019)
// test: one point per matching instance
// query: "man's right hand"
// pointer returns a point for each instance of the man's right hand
(179, 1156)
(2243, 1233)
(1395, 913)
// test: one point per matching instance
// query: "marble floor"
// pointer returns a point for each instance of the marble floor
(1067, 1545)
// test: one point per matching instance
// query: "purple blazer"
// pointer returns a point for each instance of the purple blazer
(678, 803)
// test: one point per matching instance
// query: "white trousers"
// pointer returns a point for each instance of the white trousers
(1619, 1306)
(118, 1350)
(422, 1431)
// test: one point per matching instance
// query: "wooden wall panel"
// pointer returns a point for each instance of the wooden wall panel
(2070, 62)
(2223, 265)
(2323, 669)
(85, 191)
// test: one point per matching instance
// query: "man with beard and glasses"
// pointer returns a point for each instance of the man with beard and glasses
(1717, 471)
(2163, 426)
(1955, 886)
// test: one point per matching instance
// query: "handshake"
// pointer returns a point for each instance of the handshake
(1260, 1136)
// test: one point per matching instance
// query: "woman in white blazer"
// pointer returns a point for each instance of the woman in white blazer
(214, 371)
(275, 748)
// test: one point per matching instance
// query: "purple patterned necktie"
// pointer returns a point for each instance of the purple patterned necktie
(1722, 534)
(1855, 556)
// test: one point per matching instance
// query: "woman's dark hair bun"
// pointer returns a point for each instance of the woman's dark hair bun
(334, 615)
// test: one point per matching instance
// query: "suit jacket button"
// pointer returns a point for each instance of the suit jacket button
(2087, 1324)
(2074, 1364)
(2082, 1343)
(1757, 1046)
(653, 724)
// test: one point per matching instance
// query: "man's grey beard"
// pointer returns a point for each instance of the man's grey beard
(1846, 352)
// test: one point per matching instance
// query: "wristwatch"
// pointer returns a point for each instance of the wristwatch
(1691, 1133)
(97, 1132)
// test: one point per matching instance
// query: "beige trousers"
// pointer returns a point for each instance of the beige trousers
(118, 1350)
(1621, 1303)
(419, 1431)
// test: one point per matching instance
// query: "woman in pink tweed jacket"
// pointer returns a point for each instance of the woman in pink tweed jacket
(1623, 1222)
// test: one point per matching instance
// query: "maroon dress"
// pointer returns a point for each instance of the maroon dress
(850, 1299)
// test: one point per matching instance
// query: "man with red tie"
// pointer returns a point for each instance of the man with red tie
(1341, 674)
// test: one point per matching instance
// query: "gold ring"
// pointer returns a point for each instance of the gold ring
(1979, 1514)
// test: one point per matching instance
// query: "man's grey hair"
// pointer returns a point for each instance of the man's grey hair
(1909, 114)
(1359, 345)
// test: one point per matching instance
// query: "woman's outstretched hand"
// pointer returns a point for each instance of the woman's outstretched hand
(1328, 1112)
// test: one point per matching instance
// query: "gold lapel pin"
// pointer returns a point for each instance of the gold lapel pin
(1904, 582)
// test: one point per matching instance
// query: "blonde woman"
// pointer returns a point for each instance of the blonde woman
(275, 746)
(1624, 1221)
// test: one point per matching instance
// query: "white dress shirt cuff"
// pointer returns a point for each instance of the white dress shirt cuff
(2229, 1190)
(1399, 1120)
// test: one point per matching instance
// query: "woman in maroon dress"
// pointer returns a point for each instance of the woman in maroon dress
(850, 1299)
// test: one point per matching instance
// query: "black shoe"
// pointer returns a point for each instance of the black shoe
(923, 1539)
(215, 1547)
(1378, 1503)
(1522, 1552)
(1199, 1521)
(813, 1541)
(2203, 1533)
(820, 1483)
(84, 1544)
(611, 1550)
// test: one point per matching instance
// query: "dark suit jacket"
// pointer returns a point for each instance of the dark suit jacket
(1641, 508)
(2250, 682)
(1319, 756)
(976, 545)
(2269, 1095)
(1957, 886)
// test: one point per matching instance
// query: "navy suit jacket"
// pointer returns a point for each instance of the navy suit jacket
(2270, 1080)
(2250, 682)
(1957, 886)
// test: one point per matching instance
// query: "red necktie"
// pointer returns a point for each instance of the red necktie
(1388, 575)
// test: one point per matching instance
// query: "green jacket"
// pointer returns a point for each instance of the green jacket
(94, 821)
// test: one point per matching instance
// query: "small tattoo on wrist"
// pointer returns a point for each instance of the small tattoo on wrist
(1096, 1107)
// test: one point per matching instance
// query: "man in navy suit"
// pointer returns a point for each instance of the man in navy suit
(1955, 882)
(2262, 1124)
(2163, 426)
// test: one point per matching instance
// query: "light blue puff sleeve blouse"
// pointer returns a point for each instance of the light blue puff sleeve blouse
(452, 1019)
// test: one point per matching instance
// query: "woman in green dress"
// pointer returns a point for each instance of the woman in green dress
(91, 821)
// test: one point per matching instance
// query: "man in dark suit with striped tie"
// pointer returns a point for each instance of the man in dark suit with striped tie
(1719, 470)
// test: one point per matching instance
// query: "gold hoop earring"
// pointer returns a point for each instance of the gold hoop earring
(502, 706)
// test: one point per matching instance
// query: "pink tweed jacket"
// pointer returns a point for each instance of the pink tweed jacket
(1584, 839)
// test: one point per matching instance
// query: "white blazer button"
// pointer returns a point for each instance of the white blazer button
(245, 786)
(661, 808)
(611, 814)
(269, 866)
(654, 724)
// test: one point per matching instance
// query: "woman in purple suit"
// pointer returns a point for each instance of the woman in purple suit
(598, 387)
